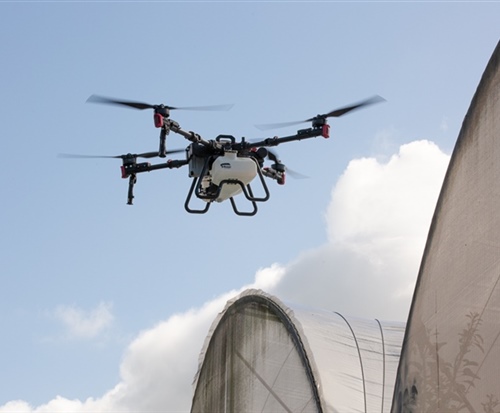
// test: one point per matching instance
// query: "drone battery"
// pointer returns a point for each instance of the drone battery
(196, 164)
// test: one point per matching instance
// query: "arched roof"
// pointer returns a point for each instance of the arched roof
(267, 356)
(451, 356)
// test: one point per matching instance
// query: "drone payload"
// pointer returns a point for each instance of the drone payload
(221, 168)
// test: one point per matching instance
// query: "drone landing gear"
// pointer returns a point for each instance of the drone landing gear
(188, 200)
(196, 188)
(130, 169)
(131, 182)
(247, 190)
(235, 208)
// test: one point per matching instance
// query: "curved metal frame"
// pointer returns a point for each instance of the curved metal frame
(383, 361)
(360, 358)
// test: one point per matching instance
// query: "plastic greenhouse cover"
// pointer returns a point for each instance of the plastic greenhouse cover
(267, 356)
(451, 356)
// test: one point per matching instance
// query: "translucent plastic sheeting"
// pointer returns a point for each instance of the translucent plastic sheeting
(264, 356)
(254, 362)
(356, 359)
(450, 360)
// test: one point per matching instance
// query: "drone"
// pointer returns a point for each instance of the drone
(221, 168)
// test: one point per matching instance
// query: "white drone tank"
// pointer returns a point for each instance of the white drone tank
(232, 167)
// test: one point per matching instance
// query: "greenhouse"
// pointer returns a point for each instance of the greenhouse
(262, 355)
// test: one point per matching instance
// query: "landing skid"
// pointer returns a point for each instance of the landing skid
(196, 188)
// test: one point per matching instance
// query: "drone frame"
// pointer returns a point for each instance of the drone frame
(201, 154)
(218, 146)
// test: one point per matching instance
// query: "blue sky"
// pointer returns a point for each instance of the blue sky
(82, 273)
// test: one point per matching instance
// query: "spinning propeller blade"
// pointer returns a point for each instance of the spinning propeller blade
(129, 155)
(273, 156)
(267, 126)
(142, 105)
(342, 111)
(334, 113)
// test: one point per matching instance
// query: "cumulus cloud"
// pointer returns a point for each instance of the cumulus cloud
(377, 223)
(84, 324)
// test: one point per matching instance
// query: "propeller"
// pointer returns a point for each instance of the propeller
(127, 156)
(334, 113)
(273, 156)
(142, 105)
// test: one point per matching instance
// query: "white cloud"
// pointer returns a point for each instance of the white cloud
(16, 406)
(84, 324)
(395, 198)
(377, 224)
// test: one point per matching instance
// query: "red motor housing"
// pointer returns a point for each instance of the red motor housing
(281, 181)
(124, 172)
(325, 131)
(158, 120)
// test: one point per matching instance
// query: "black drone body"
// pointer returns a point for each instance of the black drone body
(221, 168)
